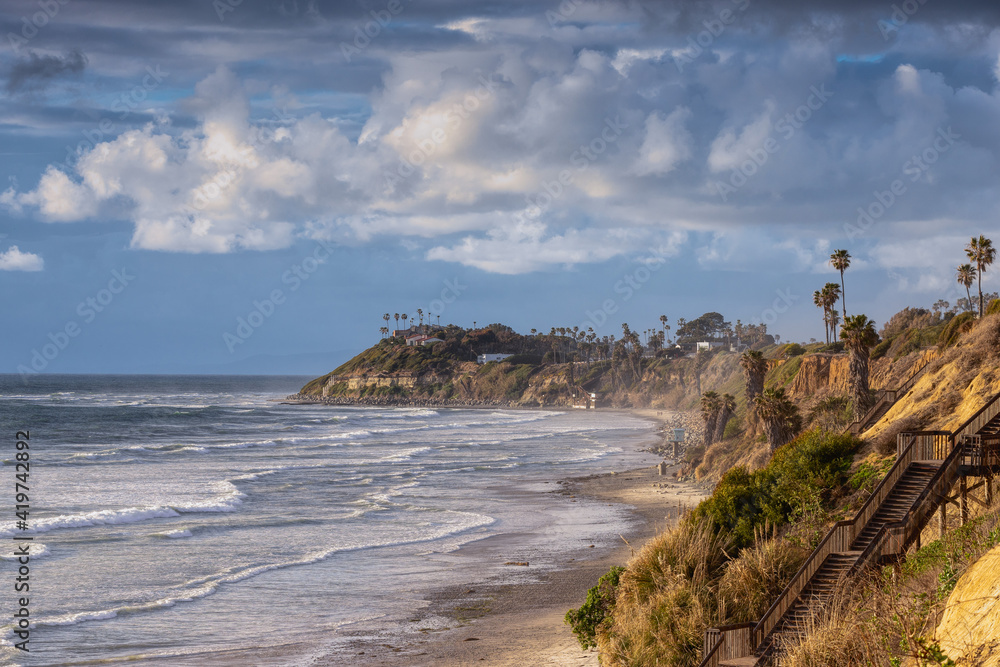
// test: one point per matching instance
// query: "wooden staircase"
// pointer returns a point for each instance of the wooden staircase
(928, 464)
(884, 400)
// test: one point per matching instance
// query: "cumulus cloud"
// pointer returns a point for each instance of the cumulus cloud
(666, 143)
(512, 141)
(14, 260)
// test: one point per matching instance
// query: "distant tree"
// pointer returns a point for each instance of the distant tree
(711, 403)
(727, 406)
(384, 331)
(982, 253)
(754, 369)
(831, 293)
(820, 303)
(966, 275)
(386, 318)
(404, 316)
(841, 259)
(420, 314)
(940, 307)
(858, 333)
(397, 320)
(780, 416)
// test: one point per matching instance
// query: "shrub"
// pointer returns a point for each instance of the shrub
(793, 350)
(994, 307)
(600, 601)
(956, 326)
(908, 318)
(799, 475)
(879, 350)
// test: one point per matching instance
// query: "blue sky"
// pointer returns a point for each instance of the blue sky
(178, 164)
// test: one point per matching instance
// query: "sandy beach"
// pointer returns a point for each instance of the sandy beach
(522, 623)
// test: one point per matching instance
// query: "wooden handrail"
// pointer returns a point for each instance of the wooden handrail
(860, 423)
(944, 446)
(731, 641)
(948, 467)
(970, 422)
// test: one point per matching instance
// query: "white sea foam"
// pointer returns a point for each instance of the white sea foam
(174, 534)
(228, 498)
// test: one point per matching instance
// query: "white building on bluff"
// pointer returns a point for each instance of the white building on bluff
(484, 358)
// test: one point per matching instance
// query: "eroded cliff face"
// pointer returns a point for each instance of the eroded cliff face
(969, 631)
(821, 373)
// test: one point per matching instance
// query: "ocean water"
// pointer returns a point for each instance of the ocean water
(195, 520)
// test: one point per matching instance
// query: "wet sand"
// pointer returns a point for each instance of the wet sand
(522, 623)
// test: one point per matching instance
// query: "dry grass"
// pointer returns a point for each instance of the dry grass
(890, 619)
(683, 582)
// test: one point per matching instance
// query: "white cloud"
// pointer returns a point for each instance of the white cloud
(730, 150)
(529, 248)
(15, 260)
(666, 143)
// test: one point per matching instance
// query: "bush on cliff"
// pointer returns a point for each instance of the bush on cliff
(799, 475)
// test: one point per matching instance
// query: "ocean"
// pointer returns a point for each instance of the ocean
(196, 520)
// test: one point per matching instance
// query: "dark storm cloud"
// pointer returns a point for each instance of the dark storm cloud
(35, 70)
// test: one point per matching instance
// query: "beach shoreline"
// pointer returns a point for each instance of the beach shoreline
(522, 623)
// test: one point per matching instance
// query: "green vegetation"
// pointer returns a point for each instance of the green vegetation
(600, 601)
(800, 473)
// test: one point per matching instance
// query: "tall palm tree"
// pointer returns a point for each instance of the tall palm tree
(711, 403)
(982, 253)
(831, 293)
(858, 333)
(841, 259)
(386, 318)
(397, 320)
(384, 331)
(404, 316)
(966, 275)
(780, 416)
(420, 314)
(820, 302)
(754, 369)
(727, 406)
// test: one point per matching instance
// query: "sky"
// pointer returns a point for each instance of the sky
(220, 186)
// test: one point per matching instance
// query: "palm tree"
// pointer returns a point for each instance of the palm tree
(384, 331)
(982, 253)
(711, 403)
(966, 276)
(404, 316)
(841, 259)
(754, 369)
(397, 320)
(386, 318)
(831, 293)
(780, 416)
(821, 303)
(727, 406)
(858, 333)
(420, 314)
